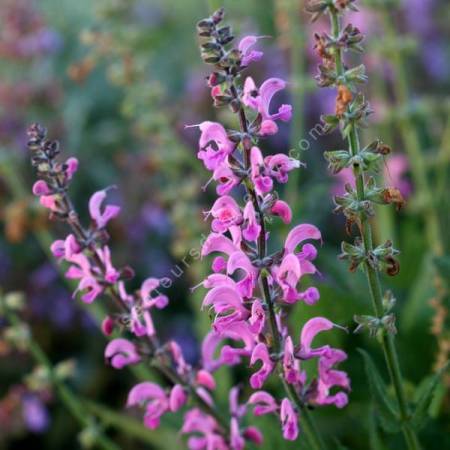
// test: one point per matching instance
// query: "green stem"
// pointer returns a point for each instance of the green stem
(387, 340)
(67, 397)
(411, 139)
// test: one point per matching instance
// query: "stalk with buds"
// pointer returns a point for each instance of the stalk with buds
(357, 203)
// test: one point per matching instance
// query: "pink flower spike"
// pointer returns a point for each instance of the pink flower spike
(299, 234)
(41, 188)
(100, 218)
(204, 378)
(261, 353)
(289, 420)
(309, 331)
(263, 403)
(121, 352)
(178, 398)
(247, 55)
(283, 210)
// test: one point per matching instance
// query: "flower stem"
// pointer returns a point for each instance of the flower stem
(387, 340)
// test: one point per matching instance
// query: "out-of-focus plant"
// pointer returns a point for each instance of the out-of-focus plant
(122, 38)
(351, 113)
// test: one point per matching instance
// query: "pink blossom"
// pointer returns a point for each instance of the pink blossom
(100, 218)
(178, 398)
(257, 318)
(218, 243)
(121, 352)
(299, 234)
(107, 326)
(111, 274)
(309, 332)
(50, 202)
(279, 165)
(226, 179)
(40, 188)
(251, 227)
(214, 144)
(261, 353)
(227, 304)
(153, 399)
(71, 167)
(289, 420)
(226, 213)
(283, 210)
(263, 403)
(291, 365)
(260, 99)
(240, 261)
(196, 421)
(288, 275)
(252, 434)
(247, 54)
(90, 289)
(204, 378)
(262, 182)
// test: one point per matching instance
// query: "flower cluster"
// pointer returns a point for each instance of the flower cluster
(250, 289)
(87, 252)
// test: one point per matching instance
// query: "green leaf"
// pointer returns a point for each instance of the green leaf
(387, 412)
(374, 436)
(426, 394)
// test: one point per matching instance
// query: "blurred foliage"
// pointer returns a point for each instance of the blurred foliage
(117, 81)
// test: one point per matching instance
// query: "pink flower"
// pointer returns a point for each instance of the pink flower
(178, 398)
(100, 218)
(252, 434)
(283, 210)
(204, 378)
(226, 179)
(227, 304)
(289, 420)
(40, 188)
(247, 54)
(288, 275)
(279, 165)
(196, 421)
(260, 99)
(240, 261)
(111, 274)
(153, 399)
(50, 202)
(226, 213)
(263, 403)
(329, 378)
(121, 352)
(90, 288)
(214, 144)
(71, 167)
(147, 287)
(309, 331)
(261, 353)
(257, 318)
(251, 227)
(218, 243)
(291, 365)
(262, 182)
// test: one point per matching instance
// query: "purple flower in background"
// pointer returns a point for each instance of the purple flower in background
(35, 414)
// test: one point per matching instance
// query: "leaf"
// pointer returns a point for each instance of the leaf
(426, 392)
(374, 436)
(387, 412)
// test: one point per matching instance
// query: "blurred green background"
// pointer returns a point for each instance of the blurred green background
(116, 81)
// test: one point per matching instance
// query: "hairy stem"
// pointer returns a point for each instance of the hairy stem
(387, 340)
